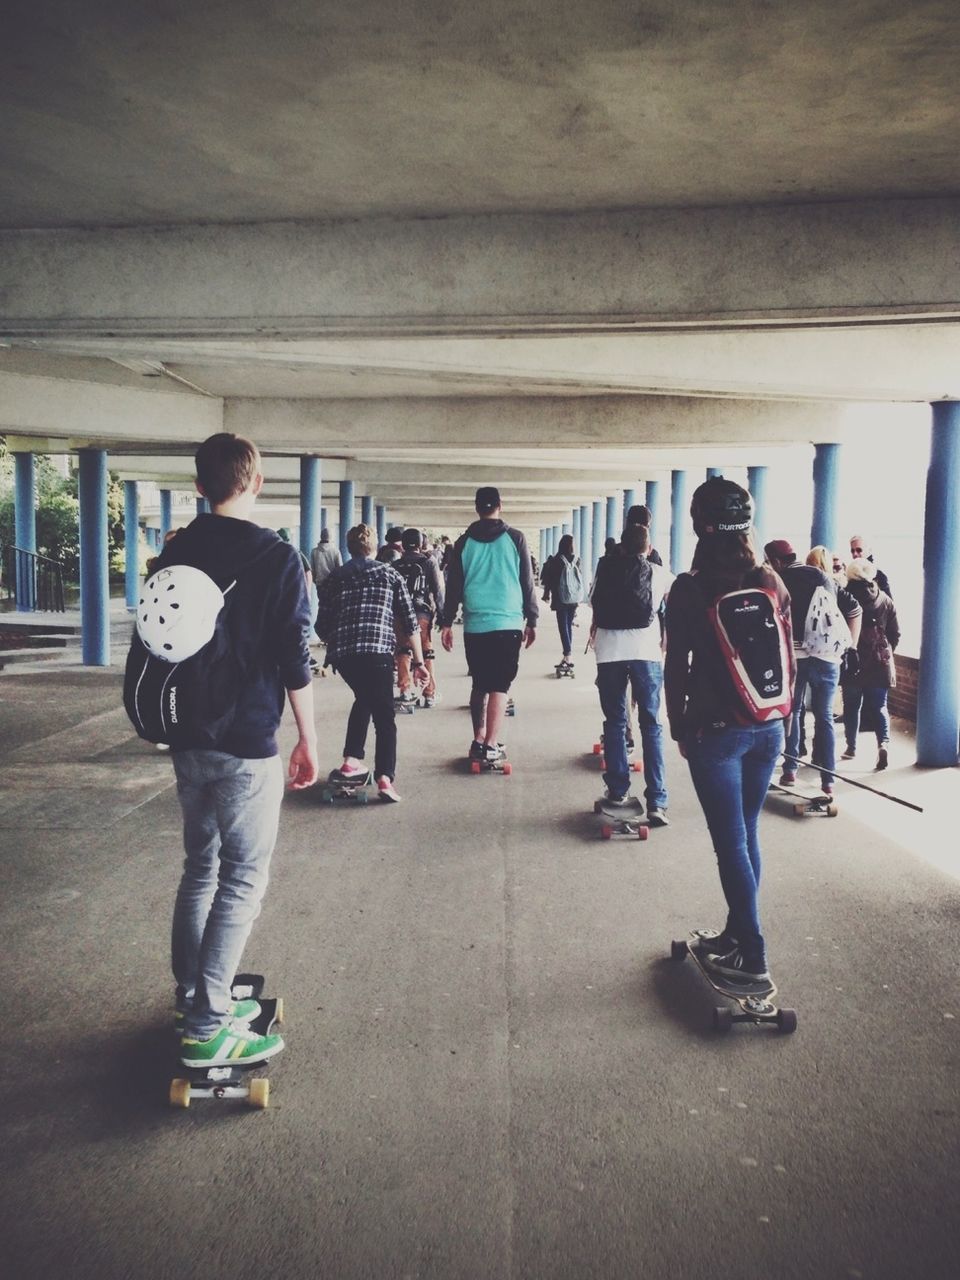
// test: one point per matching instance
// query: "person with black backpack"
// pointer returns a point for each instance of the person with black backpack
(562, 582)
(626, 599)
(729, 676)
(422, 578)
(222, 623)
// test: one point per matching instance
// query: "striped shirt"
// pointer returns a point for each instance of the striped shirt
(362, 607)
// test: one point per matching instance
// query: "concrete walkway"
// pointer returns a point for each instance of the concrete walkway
(492, 1069)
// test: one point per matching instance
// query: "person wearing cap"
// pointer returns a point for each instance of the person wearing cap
(731, 760)
(491, 575)
(818, 674)
(392, 548)
(420, 572)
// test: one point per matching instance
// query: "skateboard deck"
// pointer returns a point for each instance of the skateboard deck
(756, 1002)
(806, 804)
(492, 766)
(621, 819)
(563, 670)
(233, 1080)
(335, 788)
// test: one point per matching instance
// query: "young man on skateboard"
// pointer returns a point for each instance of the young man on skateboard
(230, 792)
(491, 575)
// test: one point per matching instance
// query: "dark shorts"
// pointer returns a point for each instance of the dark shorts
(493, 659)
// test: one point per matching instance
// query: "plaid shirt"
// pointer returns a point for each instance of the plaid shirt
(362, 606)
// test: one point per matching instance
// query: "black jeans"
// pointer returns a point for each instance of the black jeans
(565, 616)
(370, 676)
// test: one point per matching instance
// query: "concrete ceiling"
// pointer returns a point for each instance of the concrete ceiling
(241, 111)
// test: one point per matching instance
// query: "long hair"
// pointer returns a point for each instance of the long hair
(566, 545)
(723, 561)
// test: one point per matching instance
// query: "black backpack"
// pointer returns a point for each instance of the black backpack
(622, 596)
(415, 580)
(190, 703)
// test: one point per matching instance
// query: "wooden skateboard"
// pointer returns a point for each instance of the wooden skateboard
(755, 1001)
(492, 766)
(336, 788)
(806, 804)
(234, 1080)
(621, 819)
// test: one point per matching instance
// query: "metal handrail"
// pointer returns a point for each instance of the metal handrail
(33, 580)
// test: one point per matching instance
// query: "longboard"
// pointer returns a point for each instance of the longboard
(336, 788)
(492, 766)
(806, 804)
(562, 669)
(235, 1080)
(755, 1001)
(621, 819)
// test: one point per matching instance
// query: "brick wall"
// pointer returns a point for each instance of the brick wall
(903, 699)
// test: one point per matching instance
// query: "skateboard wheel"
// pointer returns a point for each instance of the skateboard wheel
(722, 1020)
(474, 766)
(678, 951)
(278, 1015)
(597, 748)
(799, 810)
(507, 769)
(606, 832)
(787, 1020)
(636, 766)
(642, 833)
(259, 1093)
(362, 797)
(832, 810)
(326, 796)
(179, 1093)
(597, 807)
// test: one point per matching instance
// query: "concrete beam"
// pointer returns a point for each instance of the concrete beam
(503, 273)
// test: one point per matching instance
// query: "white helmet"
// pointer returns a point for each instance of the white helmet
(178, 612)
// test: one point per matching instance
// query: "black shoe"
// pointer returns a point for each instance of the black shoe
(736, 967)
(657, 817)
(881, 758)
(476, 751)
(711, 943)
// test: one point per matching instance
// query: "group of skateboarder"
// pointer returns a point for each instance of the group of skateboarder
(727, 720)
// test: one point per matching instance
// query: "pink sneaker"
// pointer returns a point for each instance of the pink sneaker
(387, 792)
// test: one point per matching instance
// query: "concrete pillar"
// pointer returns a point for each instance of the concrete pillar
(630, 499)
(166, 513)
(826, 476)
(346, 516)
(653, 502)
(757, 484)
(938, 693)
(678, 521)
(311, 520)
(575, 529)
(381, 515)
(557, 535)
(325, 518)
(366, 510)
(25, 529)
(94, 570)
(596, 540)
(131, 542)
(614, 517)
(586, 543)
(203, 506)
(713, 472)
(543, 546)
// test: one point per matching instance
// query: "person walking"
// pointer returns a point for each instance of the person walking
(230, 791)
(625, 636)
(424, 582)
(491, 575)
(563, 588)
(869, 687)
(363, 608)
(642, 515)
(324, 558)
(731, 742)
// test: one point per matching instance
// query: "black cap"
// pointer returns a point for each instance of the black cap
(487, 499)
(394, 534)
(412, 539)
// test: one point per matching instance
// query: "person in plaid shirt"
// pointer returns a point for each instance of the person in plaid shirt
(363, 608)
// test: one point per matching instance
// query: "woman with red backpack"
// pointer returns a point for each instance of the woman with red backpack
(728, 677)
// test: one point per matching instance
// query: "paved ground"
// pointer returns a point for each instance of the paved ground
(493, 1070)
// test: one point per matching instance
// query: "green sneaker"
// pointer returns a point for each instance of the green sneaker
(245, 1011)
(233, 1043)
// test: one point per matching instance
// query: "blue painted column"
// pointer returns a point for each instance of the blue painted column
(938, 692)
(566, 528)
(131, 542)
(596, 541)
(586, 542)
(346, 516)
(366, 510)
(653, 503)
(543, 546)
(630, 499)
(575, 529)
(203, 506)
(166, 513)
(325, 518)
(557, 535)
(613, 522)
(381, 525)
(712, 472)
(757, 484)
(94, 579)
(678, 521)
(311, 495)
(826, 476)
(25, 528)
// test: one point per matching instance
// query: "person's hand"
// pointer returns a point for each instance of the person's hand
(304, 766)
(446, 639)
(421, 675)
(529, 635)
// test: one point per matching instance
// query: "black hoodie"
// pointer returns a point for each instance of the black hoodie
(268, 619)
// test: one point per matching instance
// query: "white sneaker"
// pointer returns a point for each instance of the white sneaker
(387, 790)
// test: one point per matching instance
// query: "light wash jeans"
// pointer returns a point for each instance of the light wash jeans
(731, 770)
(231, 811)
(820, 677)
(645, 680)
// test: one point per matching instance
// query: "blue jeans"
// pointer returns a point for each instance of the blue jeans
(645, 679)
(565, 616)
(821, 678)
(231, 811)
(731, 770)
(874, 702)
